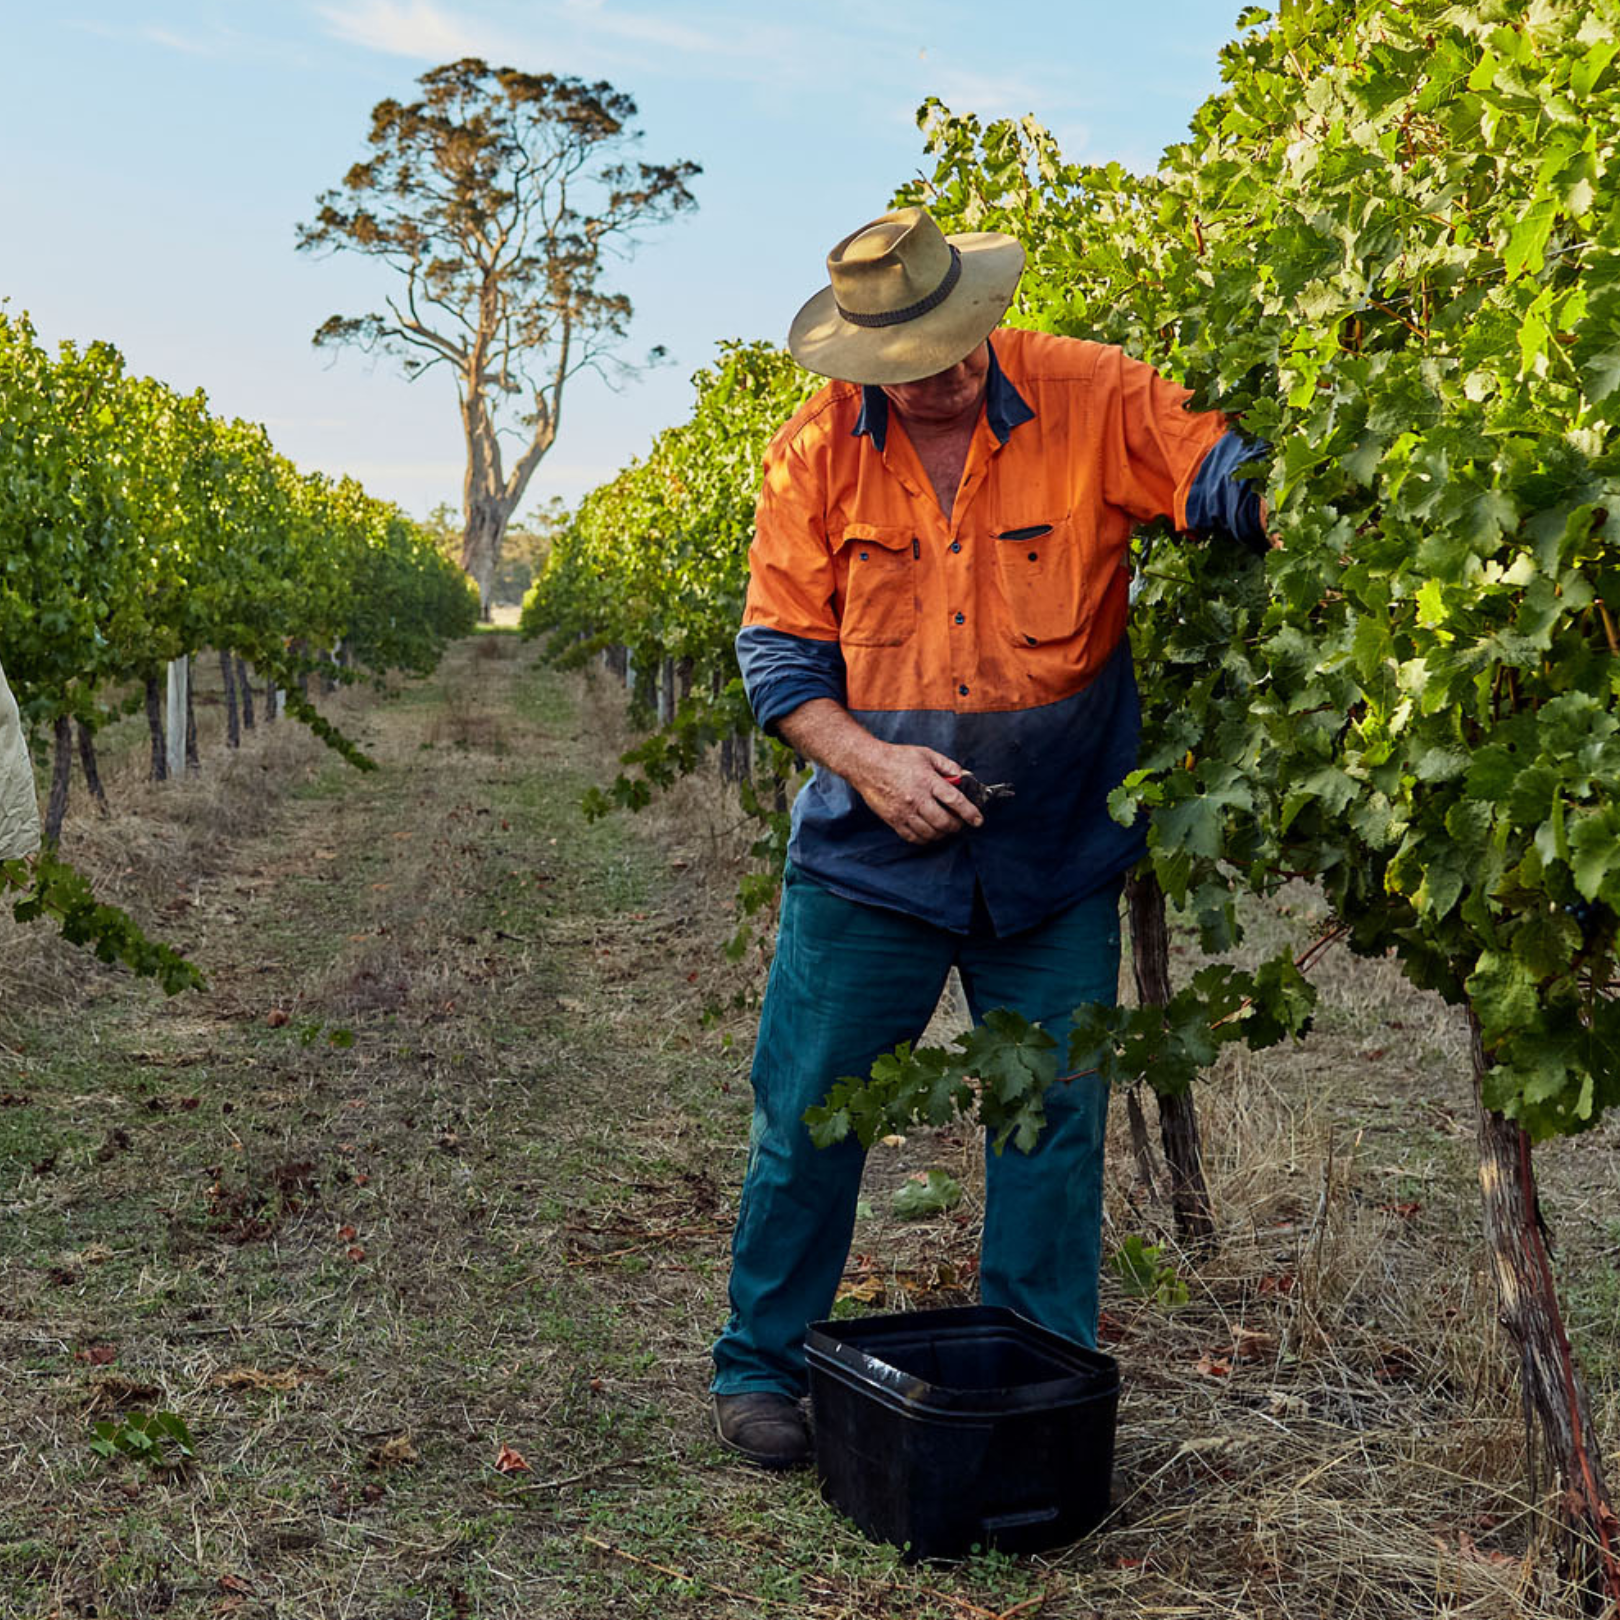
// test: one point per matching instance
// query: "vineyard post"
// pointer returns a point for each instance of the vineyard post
(269, 700)
(179, 668)
(666, 692)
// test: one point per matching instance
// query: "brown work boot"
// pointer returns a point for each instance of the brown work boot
(766, 1428)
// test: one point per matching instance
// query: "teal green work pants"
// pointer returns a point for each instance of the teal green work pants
(849, 982)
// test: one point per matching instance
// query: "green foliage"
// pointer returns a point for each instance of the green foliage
(1388, 245)
(136, 528)
(52, 888)
(1145, 1273)
(158, 1439)
(937, 1192)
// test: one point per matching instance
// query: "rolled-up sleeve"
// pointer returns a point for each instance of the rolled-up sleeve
(1223, 503)
(788, 645)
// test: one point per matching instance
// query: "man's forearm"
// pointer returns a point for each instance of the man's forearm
(908, 786)
(826, 733)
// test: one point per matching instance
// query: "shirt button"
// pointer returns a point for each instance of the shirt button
(961, 618)
(956, 545)
(1034, 556)
(963, 690)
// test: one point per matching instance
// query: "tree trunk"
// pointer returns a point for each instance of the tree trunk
(92, 772)
(61, 778)
(154, 724)
(1589, 1550)
(301, 649)
(233, 729)
(683, 680)
(246, 688)
(486, 520)
(193, 759)
(269, 699)
(1178, 1115)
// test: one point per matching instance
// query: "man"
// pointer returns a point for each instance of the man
(939, 583)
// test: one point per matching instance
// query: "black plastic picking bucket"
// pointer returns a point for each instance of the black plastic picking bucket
(942, 1431)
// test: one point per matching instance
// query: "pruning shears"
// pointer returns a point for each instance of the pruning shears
(978, 793)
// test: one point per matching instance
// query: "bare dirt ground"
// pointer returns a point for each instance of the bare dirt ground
(444, 1160)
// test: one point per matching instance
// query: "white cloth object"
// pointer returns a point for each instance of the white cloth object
(19, 805)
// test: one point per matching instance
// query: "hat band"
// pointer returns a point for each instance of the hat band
(898, 317)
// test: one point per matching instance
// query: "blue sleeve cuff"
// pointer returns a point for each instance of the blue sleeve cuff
(781, 672)
(1219, 501)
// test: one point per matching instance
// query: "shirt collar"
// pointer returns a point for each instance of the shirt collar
(1004, 407)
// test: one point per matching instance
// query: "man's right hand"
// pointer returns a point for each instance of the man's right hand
(906, 785)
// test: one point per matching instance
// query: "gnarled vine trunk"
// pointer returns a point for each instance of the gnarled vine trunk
(92, 771)
(227, 678)
(61, 779)
(154, 724)
(1589, 1551)
(245, 686)
(1178, 1115)
(193, 758)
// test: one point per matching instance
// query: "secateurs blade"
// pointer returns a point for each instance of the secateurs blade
(978, 793)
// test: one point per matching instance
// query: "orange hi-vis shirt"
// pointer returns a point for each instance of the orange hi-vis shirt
(994, 633)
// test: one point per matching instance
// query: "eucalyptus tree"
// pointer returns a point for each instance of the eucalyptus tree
(499, 200)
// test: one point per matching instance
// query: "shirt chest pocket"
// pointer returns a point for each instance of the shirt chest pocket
(878, 572)
(1040, 572)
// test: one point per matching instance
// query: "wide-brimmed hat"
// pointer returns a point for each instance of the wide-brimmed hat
(905, 301)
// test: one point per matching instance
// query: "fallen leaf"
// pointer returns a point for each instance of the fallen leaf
(234, 1583)
(109, 1393)
(508, 1460)
(257, 1378)
(1249, 1344)
(355, 1252)
(347, 1234)
(1407, 1210)
(277, 1017)
(867, 1290)
(98, 1355)
(397, 1452)
(1213, 1366)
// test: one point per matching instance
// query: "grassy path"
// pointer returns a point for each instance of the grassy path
(443, 1161)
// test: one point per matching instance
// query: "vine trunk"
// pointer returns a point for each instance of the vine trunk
(1178, 1114)
(1589, 1531)
(92, 771)
(61, 778)
(233, 729)
(154, 724)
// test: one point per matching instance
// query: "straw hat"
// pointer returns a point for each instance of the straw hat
(905, 300)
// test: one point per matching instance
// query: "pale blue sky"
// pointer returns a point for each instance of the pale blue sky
(158, 153)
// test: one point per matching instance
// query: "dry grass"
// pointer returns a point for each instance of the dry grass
(500, 1216)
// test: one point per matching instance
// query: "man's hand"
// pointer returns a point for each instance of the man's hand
(907, 787)
(902, 783)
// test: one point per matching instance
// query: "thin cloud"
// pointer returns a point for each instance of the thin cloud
(415, 28)
(212, 39)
